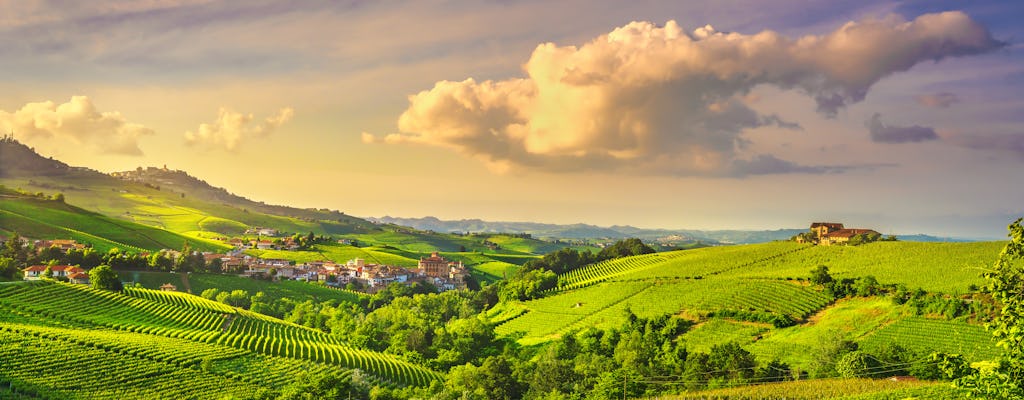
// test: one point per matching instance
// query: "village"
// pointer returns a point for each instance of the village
(355, 274)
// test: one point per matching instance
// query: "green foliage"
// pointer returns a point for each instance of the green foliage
(528, 284)
(820, 275)
(1006, 284)
(103, 277)
(857, 364)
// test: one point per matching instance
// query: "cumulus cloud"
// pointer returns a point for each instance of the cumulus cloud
(79, 121)
(881, 133)
(674, 100)
(232, 128)
(938, 100)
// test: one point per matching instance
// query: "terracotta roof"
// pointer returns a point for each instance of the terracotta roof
(835, 225)
(55, 268)
(78, 275)
(847, 233)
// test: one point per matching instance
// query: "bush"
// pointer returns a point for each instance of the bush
(857, 364)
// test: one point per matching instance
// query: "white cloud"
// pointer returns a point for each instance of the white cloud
(79, 121)
(644, 95)
(232, 128)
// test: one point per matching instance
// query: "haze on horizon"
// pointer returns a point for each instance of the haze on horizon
(901, 116)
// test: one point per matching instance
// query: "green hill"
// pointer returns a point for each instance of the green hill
(157, 341)
(766, 283)
(44, 218)
(173, 205)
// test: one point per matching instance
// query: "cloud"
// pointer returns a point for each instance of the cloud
(675, 101)
(79, 121)
(232, 128)
(881, 133)
(1012, 143)
(937, 100)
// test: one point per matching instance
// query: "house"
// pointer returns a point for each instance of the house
(820, 229)
(35, 272)
(843, 236)
(167, 287)
(63, 245)
(80, 278)
(264, 245)
(436, 266)
(830, 233)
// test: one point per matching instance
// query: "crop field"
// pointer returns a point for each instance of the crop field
(717, 331)
(944, 267)
(696, 263)
(493, 271)
(296, 290)
(860, 388)
(179, 330)
(43, 218)
(926, 335)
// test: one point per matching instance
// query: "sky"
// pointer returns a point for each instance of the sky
(906, 117)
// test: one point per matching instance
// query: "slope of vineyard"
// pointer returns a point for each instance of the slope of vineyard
(165, 332)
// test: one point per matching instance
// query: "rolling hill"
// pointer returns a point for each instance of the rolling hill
(174, 206)
(60, 338)
(765, 282)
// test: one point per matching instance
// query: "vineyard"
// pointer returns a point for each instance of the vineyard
(751, 295)
(170, 334)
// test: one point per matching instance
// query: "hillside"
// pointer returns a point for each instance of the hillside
(180, 205)
(678, 237)
(720, 287)
(37, 217)
(170, 345)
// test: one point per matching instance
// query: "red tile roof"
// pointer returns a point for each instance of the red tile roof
(848, 233)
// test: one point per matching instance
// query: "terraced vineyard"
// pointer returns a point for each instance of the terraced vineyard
(180, 330)
(926, 335)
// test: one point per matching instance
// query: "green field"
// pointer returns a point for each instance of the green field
(765, 281)
(863, 389)
(38, 218)
(160, 338)
(296, 290)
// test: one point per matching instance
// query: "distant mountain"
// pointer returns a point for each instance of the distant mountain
(585, 231)
(929, 238)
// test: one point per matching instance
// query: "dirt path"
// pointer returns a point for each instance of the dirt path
(184, 283)
(227, 323)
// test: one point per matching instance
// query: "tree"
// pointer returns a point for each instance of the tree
(1006, 285)
(820, 275)
(104, 277)
(856, 364)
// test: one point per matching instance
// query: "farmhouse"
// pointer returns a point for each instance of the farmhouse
(830, 233)
(35, 272)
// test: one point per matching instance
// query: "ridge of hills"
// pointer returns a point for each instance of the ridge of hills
(172, 201)
(588, 231)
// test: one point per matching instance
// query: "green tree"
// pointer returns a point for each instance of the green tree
(104, 277)
(8, 268)
(856, 364)
(1006, 285)
(820, 275)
